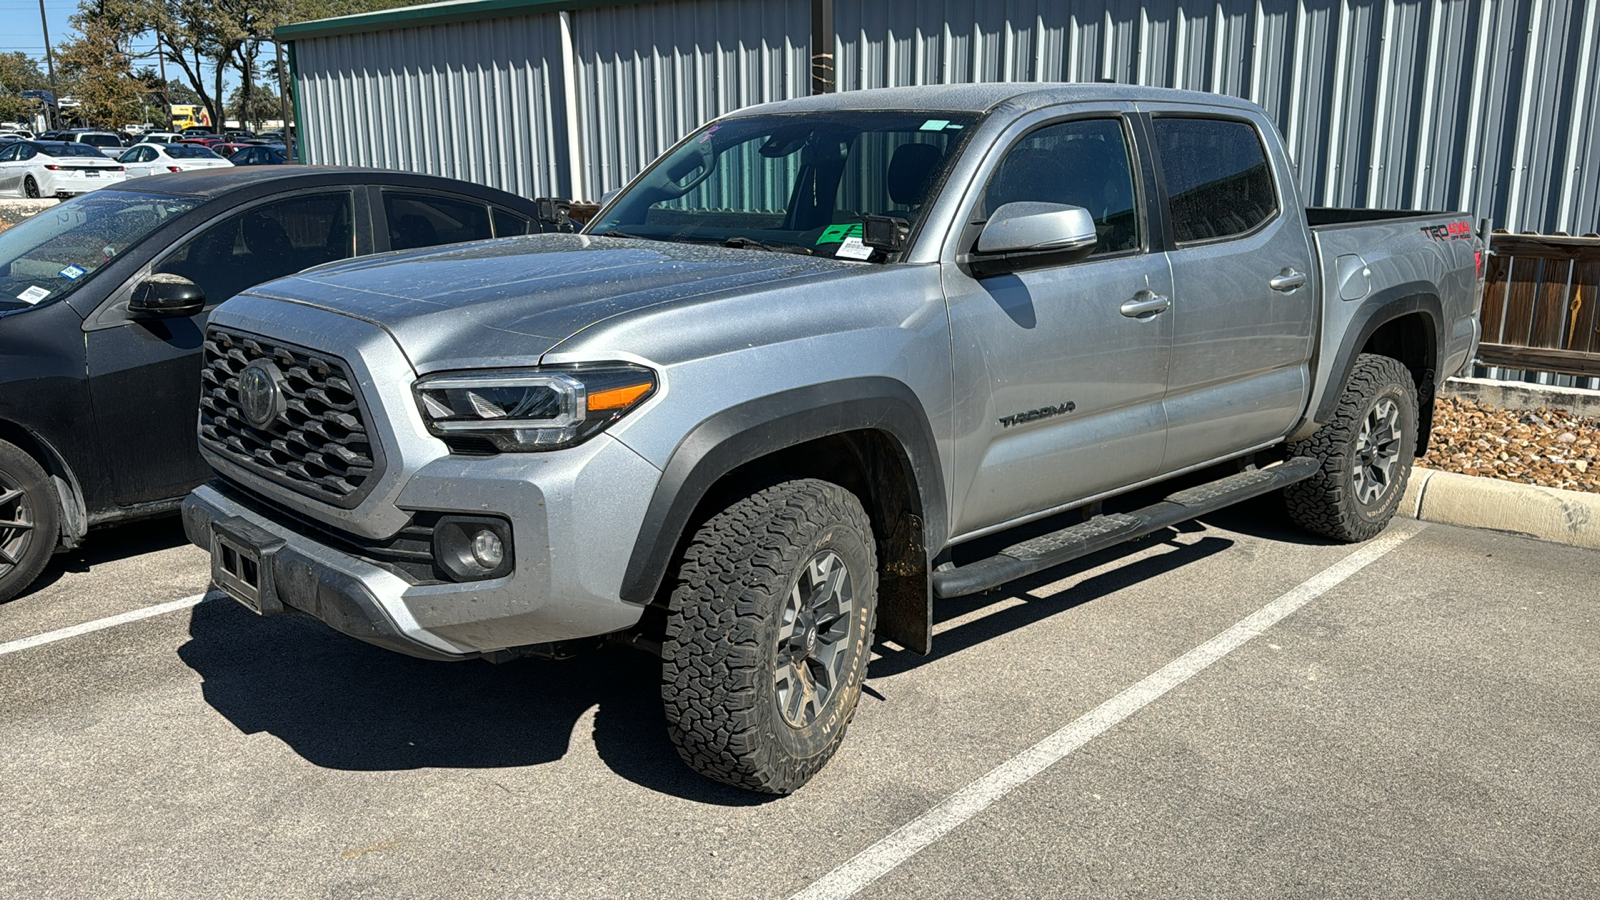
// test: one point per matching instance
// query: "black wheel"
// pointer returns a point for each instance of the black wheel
(1365, 451)
(29, 520)
(768, 635)
(30, 187)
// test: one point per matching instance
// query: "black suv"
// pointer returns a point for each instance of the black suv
(103, 303)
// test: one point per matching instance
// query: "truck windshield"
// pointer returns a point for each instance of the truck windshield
(53, 252)
(797, 182)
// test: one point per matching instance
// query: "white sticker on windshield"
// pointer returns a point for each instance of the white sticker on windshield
(852, 248)
(935, 124)
(33, 295)
(73, 273)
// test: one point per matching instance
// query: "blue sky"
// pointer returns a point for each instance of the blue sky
(19, 30)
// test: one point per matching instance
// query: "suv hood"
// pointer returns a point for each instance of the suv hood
(508, 301)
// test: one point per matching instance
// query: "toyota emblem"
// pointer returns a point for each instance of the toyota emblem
(261, 393)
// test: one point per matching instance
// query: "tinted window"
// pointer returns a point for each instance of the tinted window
(8, 154)
(100, 140)
(1217, 178)
(422, 220)
(1081, 163)
(267, 242)
(506, 223)
(190, 151)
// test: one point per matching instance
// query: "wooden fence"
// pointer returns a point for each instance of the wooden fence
(1541, 304)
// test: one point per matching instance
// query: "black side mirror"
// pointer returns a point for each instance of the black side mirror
(166, 296)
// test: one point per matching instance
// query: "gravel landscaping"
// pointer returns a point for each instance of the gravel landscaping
(1548, 447)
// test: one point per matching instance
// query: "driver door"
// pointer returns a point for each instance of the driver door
(144, 374)
(1060, 368)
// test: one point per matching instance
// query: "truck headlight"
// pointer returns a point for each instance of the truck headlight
(517, 410)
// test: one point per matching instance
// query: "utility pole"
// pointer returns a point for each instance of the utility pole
(166, 101)
(50, 63)
(283, 102)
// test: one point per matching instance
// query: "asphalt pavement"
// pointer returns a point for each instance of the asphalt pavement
(1230, 709)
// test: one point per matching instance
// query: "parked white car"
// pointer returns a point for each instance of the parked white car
(107, 143)
(160, 137)
(54, 169)
(158, 159)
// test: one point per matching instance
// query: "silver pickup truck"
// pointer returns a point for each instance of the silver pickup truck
(766, 405)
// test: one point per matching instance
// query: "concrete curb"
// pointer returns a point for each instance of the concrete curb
(1525, 397)
(1562, 517)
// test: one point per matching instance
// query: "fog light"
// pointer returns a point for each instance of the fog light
(488, 550)
(473, 548)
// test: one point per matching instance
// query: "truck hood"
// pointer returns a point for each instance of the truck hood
(509, 301)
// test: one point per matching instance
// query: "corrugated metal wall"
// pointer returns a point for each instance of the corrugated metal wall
(651, 73)
(1489, 105)
(481, 101)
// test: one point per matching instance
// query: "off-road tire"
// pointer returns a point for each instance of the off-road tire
(721, 658)
(30, 521)
(1330, 503)
(30, 188)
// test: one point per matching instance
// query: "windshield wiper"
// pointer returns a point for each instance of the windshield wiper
(743, 243)
(622, 234)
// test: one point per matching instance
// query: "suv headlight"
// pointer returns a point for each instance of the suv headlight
(529, 409)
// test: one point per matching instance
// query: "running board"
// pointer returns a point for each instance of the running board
(1049, 550)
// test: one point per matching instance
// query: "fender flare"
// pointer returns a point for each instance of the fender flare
(756, 428)
(1375, 312)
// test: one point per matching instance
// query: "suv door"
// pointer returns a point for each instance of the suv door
(1242, 326)
(1058, 387)
(144, 374)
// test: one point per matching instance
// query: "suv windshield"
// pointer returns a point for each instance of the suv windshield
(47, 255)
(798, 182)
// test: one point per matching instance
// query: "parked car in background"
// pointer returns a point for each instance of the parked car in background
(160, 137)
(228, 148)
(107, 143)
(103, 304)
(54, 169)
(160, 159)
(264, 155)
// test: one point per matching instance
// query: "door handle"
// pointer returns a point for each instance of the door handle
(1145, 303)
(1287, 280)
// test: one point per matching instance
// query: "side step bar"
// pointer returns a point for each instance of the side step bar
(1050, 550)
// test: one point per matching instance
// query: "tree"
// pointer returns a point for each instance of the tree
(98, 65)
(261, 102)
(19, 72)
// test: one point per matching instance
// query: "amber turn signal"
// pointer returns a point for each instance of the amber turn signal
(618, 398)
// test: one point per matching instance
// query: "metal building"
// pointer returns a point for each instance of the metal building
(1488, 105)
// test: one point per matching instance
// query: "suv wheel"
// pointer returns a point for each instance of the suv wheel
(1365, 451)
(768, 635)
(29, 520)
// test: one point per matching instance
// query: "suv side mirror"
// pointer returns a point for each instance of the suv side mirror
(1025, 226)
(166, 296)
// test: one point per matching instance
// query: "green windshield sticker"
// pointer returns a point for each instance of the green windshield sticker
(834, 234)
(935, 124)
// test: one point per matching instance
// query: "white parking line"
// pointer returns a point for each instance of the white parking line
(881, 858)
(51, 637)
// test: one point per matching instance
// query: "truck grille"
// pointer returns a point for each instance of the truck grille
(317, 443)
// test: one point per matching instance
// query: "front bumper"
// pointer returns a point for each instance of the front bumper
(573, 515)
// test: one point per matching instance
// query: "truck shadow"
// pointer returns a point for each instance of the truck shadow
(342, 704)
(894, 660)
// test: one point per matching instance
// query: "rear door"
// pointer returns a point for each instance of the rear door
(1245, 305)
(10, 169)
(1059, 383)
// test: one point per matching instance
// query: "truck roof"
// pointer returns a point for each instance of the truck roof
(985, 97)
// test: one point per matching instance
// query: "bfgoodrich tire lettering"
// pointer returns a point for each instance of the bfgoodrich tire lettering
(768, 634)
(29, 520)
(1365, 450)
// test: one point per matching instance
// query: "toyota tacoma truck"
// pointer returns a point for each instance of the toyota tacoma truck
(765, 406)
